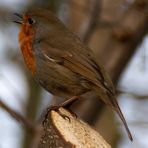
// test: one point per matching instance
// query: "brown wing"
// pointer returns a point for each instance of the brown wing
(80, 63)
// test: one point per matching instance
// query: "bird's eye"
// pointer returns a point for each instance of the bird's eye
(31, 21)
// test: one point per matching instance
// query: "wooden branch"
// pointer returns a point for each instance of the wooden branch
(93, 19)
(134, 95)
(125, 37)
(60, 132)
(18, 117)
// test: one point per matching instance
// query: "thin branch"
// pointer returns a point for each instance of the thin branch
(96, 10)
(18, 117)
(119, 92)
(36, 129)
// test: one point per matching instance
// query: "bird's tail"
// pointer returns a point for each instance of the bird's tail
(115, 106)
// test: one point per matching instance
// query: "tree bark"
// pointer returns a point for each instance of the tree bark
(69, 133)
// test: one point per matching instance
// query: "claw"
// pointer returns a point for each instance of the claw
(72, 113)
(56, 108)
(65, 104)
(64, 116)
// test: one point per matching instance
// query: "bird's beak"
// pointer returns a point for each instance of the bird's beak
(18, 18)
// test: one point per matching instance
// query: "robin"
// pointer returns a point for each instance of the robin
(61, 63)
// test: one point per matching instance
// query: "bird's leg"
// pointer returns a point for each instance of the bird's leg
(68, 103)
(65, 104)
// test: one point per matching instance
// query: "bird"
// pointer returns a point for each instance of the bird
(60, 62)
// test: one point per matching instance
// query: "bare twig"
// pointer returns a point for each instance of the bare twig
(132, 94)
(36, 129)
(96, 10)
(18, 117)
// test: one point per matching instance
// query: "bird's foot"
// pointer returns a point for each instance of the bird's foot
(74, 115)
(55, 108)
(66, 105)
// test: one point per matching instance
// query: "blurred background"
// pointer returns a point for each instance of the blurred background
(102, 25)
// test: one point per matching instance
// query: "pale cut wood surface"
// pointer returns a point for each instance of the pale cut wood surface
(68, 134)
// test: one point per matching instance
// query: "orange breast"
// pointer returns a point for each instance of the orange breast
(26, 36)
